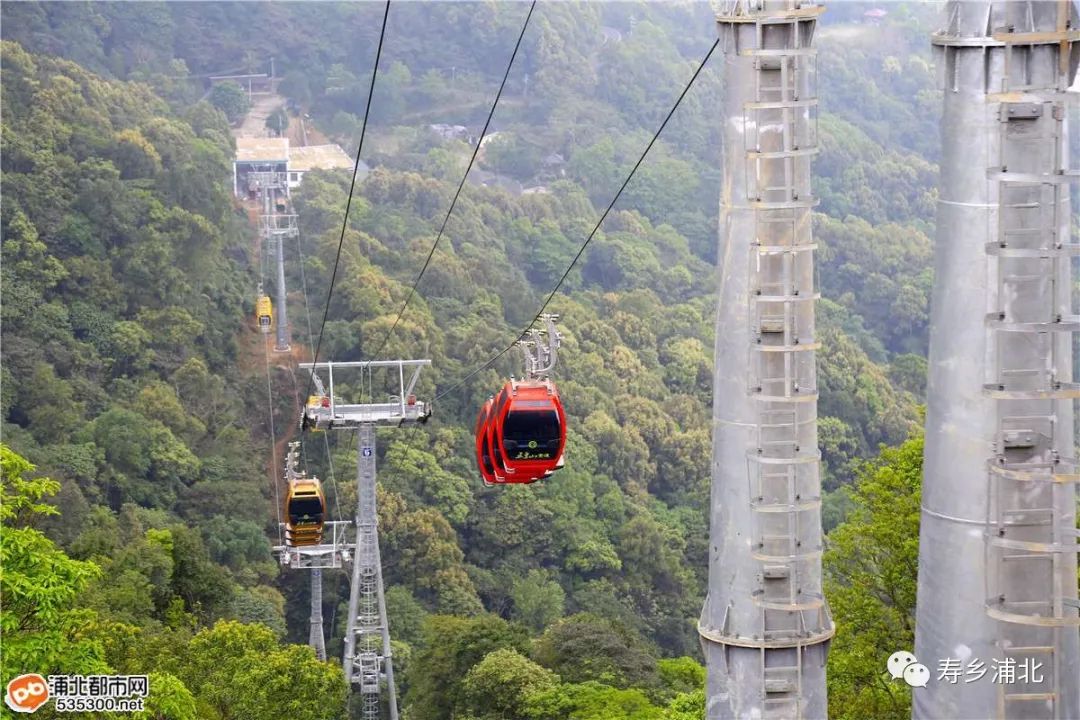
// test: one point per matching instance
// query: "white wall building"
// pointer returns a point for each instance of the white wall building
(261, 154)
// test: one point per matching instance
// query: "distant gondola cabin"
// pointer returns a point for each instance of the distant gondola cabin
(318, 414)
(264, 311)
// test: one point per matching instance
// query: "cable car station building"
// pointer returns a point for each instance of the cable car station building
(262, 154)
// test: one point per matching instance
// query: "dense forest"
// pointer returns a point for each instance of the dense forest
(138, 482)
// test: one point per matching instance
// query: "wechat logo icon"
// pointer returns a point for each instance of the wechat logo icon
(903, 664)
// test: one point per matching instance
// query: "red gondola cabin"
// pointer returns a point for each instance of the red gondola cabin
(493, 445)
(483, 444)
(527, 428)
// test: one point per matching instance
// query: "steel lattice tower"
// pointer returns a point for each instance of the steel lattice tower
(368, 660)
(277, 228)
(332, 552)
(316, 639)
(367, 640)
(998, 540)
(765, 625)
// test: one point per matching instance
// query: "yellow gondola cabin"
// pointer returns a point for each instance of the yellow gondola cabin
(305, 508)
(264, 311)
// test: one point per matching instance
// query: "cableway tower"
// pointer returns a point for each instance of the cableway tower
(367, 658)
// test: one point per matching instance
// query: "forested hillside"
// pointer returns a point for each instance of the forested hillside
(133, 376)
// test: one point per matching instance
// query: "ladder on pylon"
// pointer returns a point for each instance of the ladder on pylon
(1031, 540)
(785, 501)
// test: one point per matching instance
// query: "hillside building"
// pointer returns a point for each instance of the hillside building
(260, 154)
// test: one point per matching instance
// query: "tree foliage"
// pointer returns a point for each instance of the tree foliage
(231, 99)
(871, 571)
(43, 630)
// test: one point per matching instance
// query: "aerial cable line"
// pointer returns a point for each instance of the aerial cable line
(333, 479)
(461, 185)
(352, 187)
(592, 234)
(270, 399)
(273, 437)
(303, 286)
(303, 400)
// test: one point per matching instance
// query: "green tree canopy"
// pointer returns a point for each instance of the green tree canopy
(586, 647)
(452, 646)
(870, 576)
(238, 670)
(502, 685)
(231, 99)
(43, 630)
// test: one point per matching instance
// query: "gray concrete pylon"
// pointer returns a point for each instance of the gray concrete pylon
(765, 625)
(997, 547)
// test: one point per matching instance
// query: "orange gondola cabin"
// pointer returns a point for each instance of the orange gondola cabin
(305, 510)
(318, 413)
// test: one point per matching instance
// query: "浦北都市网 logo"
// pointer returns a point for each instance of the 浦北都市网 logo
(27, 693)
(78, 693)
